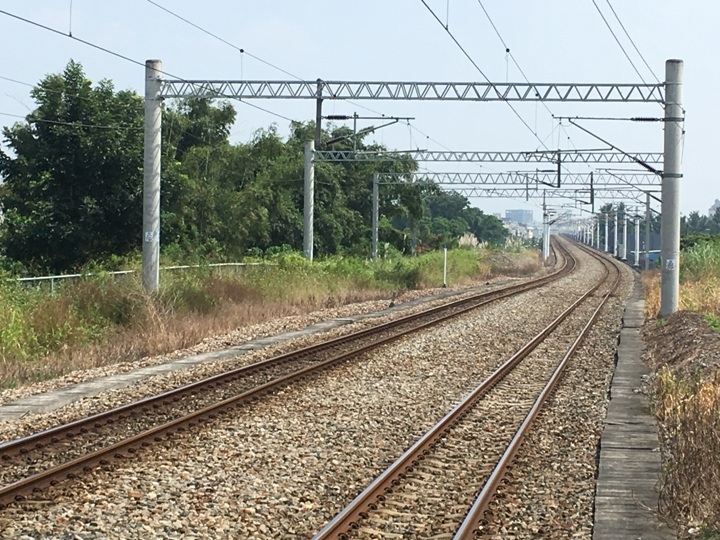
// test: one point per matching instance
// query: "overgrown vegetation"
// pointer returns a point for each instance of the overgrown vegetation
(71, 190)
(104, 319)
(687, 401)
(689, 411)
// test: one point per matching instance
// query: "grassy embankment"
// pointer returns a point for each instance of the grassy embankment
(104, 320)
(687, 403)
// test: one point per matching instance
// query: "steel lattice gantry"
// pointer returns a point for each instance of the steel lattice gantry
(668, 93)
(387, 90)
(541, 156)
(605, 193)
(529, 178)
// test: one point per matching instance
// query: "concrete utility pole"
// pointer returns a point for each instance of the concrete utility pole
(151, 176)
(615, 235)
(309, 200)
(647, 231)
(623, 251)
(546, 232)
(318, 116)
(637, 242)
(607, 218)
(597, 233)
(375, 214)
(670, 218)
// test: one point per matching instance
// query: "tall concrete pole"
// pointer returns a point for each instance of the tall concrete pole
(375, 214)
(607, 218)
(615, 235)
(637, 242)
(670, 218)
(597, 233)
(309, 200)
(623, 251)
(318, 115)
(151, 176)
(647, 231)
(546, 232)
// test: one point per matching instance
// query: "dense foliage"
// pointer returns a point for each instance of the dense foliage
(72, 186)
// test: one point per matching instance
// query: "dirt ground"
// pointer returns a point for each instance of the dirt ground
(684, 342)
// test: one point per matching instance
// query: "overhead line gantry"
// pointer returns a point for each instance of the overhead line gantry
(668, 94)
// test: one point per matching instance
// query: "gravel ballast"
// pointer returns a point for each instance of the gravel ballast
(284, 467)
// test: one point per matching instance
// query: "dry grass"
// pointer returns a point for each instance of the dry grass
(156, 329)
(702, 296)
(686, 398)
(689, 412)
(102, 321)
(651, 287)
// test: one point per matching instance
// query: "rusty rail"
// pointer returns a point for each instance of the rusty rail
(472, 521)
(366, 501)
(15, 491)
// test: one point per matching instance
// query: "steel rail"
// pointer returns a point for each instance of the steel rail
(347, 519)
(15, 491)
(52, 435)
(471, 523)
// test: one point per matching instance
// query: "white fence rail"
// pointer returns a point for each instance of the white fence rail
(59, 277)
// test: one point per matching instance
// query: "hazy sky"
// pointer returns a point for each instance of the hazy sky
(552, 40)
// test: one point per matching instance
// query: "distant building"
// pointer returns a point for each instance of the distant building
(523, 217)
(518, 230)
(714, 208)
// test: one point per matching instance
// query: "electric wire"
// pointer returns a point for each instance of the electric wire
(31, 119)
(111, 52)
(222, 40)
(633, 42)
(527, 80)
(477, 67)
(259, 59)
(618, 41)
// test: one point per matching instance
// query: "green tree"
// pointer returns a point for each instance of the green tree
(73, 188)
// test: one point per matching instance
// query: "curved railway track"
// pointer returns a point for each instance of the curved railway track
(442, 485)
(42, 459)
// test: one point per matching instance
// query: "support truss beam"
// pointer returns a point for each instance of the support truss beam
(415, 91)
(569, 156)
(529, 178)
(602, 193)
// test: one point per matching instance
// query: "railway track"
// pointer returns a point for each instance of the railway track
(39, 460)
(441, 487)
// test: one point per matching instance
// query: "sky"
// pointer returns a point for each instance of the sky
(561, 41)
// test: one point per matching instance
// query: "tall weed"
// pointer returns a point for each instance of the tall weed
(103, 319)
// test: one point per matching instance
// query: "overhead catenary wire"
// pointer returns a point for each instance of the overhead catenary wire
(632, 41)
(479, 70)
(244, 52)
(31, 119)
(618, 41)
(111, 52)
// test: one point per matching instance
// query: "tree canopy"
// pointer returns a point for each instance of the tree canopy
(72, 190)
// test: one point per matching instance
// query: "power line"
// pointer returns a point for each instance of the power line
(111, 52)
(618, 41)
(244, 51)
(16, 81)
(517, 65)
(31, 119)
(467, 55)
(226, 42)
(631, 41)
(60, 33)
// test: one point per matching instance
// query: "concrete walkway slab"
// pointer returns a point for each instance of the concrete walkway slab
(626, 497)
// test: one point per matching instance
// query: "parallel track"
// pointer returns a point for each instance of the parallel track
(431, 487)
(71, 449)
